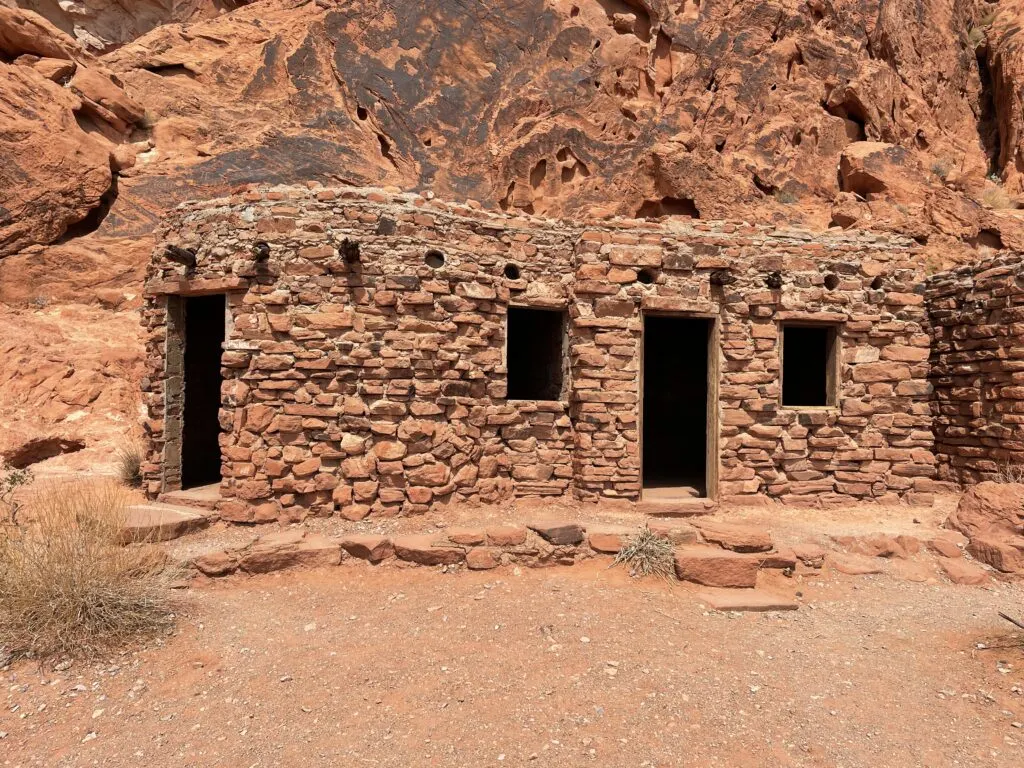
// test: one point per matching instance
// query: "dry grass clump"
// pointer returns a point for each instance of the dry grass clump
(996, 197)
(648, 554)
(67, 587)
(1008, 472)
(129, 465)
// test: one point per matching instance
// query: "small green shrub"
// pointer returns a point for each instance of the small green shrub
(10, 481)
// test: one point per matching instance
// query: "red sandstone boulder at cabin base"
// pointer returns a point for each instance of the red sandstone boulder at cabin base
(737, 537)
(991, 515)
(990, 508)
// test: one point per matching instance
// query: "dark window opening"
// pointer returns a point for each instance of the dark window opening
(535, 353)
(810, 372)
(675, 404)
(204, 338)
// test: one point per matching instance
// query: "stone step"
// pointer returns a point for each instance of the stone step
(746, 600)
(204, 497)
(160, 522)
(676, 507)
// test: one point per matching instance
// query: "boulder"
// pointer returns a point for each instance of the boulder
(1005, 554)
(854, 565)
(990, 509)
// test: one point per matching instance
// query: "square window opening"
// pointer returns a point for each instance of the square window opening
(810, 365)
(535, 353)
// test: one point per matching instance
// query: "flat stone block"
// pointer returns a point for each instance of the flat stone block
(558, 532)
(160, 522)
(426, 550)
(746, 600)
(716, 567)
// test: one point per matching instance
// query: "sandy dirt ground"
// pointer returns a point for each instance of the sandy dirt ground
(578, 666)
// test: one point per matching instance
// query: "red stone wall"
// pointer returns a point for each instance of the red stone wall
(977, 317)
(379, 388)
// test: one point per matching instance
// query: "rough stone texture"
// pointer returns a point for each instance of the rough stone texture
(990, 508)
(716, 568)
(977, 318)
(738, 538)
(367, 546)
(960, 571)
(289, 549)
(1005, 554)
(483, 558)
(216, 563)
(425, 549)
(558, 532)
(854, 565)
(608, 538)
(160, 522)
(582, 110)
(391, 374)
(811, 555)
(991, 515)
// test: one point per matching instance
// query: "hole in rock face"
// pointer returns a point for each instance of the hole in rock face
(511, 271)
(361, 113)
(645, 276)
(877, 284)
(434, 259)
(831, 282)
(40, 449)
(668, 206)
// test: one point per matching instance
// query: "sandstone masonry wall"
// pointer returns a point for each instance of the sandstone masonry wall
(378, 387)
(977, 317)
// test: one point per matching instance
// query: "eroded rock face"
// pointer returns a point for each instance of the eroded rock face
(100, 24)
(555, 107)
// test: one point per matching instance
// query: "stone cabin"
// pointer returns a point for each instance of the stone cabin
(363, 352)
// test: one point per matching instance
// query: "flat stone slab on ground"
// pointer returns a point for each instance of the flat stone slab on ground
(424, 549)
(558, 532)
(961, 571)
(160, 522)
(738, 538)
(746, 600)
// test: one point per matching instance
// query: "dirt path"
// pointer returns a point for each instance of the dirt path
(560, 667)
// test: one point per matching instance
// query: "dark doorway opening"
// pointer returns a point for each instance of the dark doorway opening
(535, 353)
(204, 337)
(675, 430)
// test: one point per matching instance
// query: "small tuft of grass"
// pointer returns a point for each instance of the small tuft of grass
(129, 465)
(996, 198)
(67, 586)
(1009, 472)
(648, 554)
